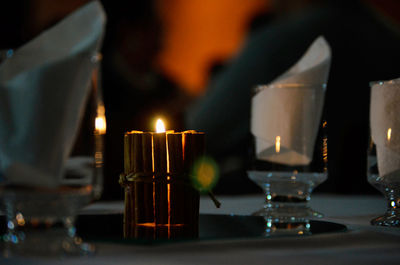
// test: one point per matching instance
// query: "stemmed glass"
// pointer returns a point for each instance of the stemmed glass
(293, 158)
(384, 148)
(40, 220)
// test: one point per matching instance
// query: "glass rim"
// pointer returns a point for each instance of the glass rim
(385, 82)
(261, 87)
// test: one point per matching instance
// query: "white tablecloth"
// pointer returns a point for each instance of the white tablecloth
(361, 244)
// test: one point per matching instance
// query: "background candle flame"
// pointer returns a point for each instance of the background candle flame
(100, 121)
(160, 127)
(278, 144)
(389, 134)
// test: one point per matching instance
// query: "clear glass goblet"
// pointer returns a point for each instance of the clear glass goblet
(40, 220)
(384, 149)
(292, 154)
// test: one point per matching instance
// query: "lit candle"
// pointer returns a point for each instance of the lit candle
(100, 121)
(168, 151)
(158, 193)
(100, 128)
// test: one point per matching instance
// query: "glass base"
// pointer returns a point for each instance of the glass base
(390, 218)
(389, 186)
(40, 222)
(51, 241)
(283, 213)
(287, 229)
(287, 195)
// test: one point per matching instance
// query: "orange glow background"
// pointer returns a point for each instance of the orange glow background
(199, 33)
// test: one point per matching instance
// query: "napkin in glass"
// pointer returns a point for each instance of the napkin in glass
(385, 125)
(43, 90)
(291, 107)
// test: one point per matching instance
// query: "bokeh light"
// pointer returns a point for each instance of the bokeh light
(205, 174)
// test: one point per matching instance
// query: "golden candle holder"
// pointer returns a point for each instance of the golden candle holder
(160, 201)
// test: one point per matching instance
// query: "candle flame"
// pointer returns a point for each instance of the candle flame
(160, 127)
(100, 121)
(389, 134)
(278, 144)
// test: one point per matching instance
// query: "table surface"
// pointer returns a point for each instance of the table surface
(361, 244)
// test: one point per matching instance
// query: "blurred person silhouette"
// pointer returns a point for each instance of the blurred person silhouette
(364, 37)
(146, 43)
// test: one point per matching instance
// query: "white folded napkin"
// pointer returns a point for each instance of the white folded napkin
(43, 90)
(286, 114)
(385, 125)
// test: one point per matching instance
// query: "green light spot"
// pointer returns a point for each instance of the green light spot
(205, 174)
